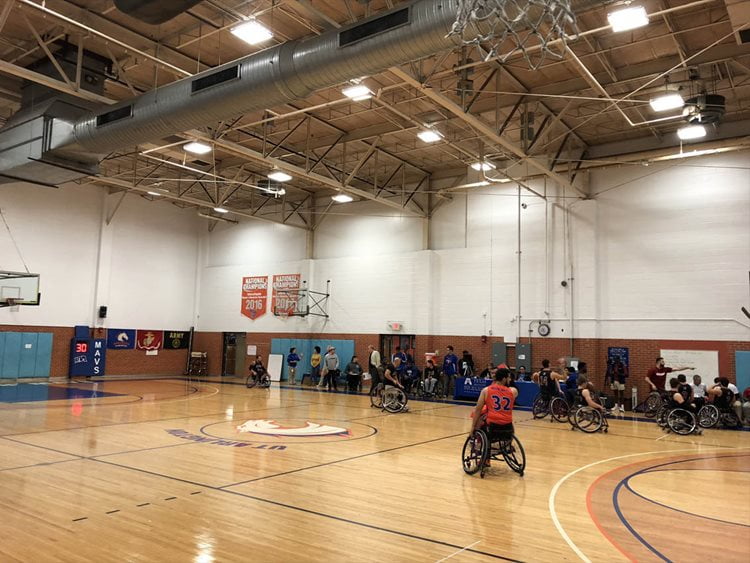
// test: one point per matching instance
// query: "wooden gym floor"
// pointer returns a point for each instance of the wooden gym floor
(157, 470)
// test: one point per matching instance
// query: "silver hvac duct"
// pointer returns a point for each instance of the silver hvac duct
(289, 71)
(74, 144)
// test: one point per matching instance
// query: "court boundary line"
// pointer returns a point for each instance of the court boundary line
(556, 487)
(313, 512)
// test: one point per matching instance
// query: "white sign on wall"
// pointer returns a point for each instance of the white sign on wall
(252, 350)
(705, 362)
(274, 366)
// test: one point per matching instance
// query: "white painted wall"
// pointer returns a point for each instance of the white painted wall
(667, 241)
(142, 265)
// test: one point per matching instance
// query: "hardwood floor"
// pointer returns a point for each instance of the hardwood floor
(159, 470)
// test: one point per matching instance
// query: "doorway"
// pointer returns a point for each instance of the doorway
(233, 359)
(388, 343)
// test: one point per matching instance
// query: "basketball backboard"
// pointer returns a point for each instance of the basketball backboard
(20, 287)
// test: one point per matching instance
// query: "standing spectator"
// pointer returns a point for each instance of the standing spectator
(618, 374)
(353, 375)
(331, 365)
(402, 365)
(291, 361)
(450, 369)
(467, 364)
(374, 366)
(409, 353)
(430, 377)
(315, 360)
(657, 375)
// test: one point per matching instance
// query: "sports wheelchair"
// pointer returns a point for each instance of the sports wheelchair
(587, 419)
(711, 415)
(557, 407)
(392, 399)
(655, 401)
(478, 451)
(262, 381)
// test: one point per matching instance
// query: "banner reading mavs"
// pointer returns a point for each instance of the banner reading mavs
(120, 339)
(176, 340)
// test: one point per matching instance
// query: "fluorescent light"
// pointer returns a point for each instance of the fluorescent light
(691, 132)
(357, 93)
(157, 194)
(628, 18)
(221, 210)
(197, 147)
(692, 154)
(429, 136)
(278, 176)
(342, 198)
(252, 32)
(485, 165)
(666, 102)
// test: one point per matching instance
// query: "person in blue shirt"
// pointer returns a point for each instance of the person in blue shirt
(291, 361)
(450, 369)
(571, 384)
(400, 355)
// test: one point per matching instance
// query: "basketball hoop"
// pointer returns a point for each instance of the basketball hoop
(14, 303)
(500, 28)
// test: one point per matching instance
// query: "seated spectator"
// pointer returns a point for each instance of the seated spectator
(521, 374)
(746, 405)
(430, 377)
(410, 377)
(467, 364)
(488, 372)
(353, 375)
(571, 384)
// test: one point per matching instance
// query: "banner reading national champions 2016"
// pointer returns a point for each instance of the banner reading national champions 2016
(284, 294)
(254, 296)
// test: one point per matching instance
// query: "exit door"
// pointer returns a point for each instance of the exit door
(388, 343)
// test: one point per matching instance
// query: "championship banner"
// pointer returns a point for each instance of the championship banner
(176, 340)
(149, 339)
(254, 296)
(285, 303)
(120, 339)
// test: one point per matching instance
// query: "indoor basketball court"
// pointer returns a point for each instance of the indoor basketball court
(260, 258)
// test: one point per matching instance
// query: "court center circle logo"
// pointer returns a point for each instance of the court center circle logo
(288, 431)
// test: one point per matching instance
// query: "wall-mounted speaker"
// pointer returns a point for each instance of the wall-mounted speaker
(103, 312)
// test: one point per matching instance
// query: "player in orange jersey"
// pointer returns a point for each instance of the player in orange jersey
(497, 401)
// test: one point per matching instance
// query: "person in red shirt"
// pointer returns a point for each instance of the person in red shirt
(657, 375)
(497, 400)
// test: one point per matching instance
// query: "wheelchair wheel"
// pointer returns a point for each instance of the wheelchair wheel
(474, 452)
(681, 421)
(394, 400)
(559, 409)
(250, 382)
(376, 396)
(540, 407)
(652, 404)
(265, 380)
(708, 416)
(514, 455)
(589, 420)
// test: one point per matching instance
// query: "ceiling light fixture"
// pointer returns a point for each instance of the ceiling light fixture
(483, 166)
(156, 194)
(221, 210)
(429, 135)
(252, 32)
(357, 93)
(691, 132)
(342, 198)
(665, 102)
(196, 147)
(628, 18)
(278, 176)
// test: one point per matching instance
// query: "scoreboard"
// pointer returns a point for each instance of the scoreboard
(87, 356)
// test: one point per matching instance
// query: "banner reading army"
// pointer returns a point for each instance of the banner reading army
(174, 340)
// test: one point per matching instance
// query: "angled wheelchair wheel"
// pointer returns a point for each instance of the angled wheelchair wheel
(474, 452)
(265, 380)
(588, 420)
(652, 404)
(250, 382)
(559, 409)
(514, 455)
(708, 416)
(376, 396)
(394, 400)
(540, 407)
(681, 421)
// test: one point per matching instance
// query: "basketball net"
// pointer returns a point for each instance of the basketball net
(500, 28)
(14, 304)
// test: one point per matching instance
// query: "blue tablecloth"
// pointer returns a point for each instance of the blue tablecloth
(527, 391)
(470, 387)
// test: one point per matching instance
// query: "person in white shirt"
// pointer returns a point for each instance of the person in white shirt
(699, 391)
